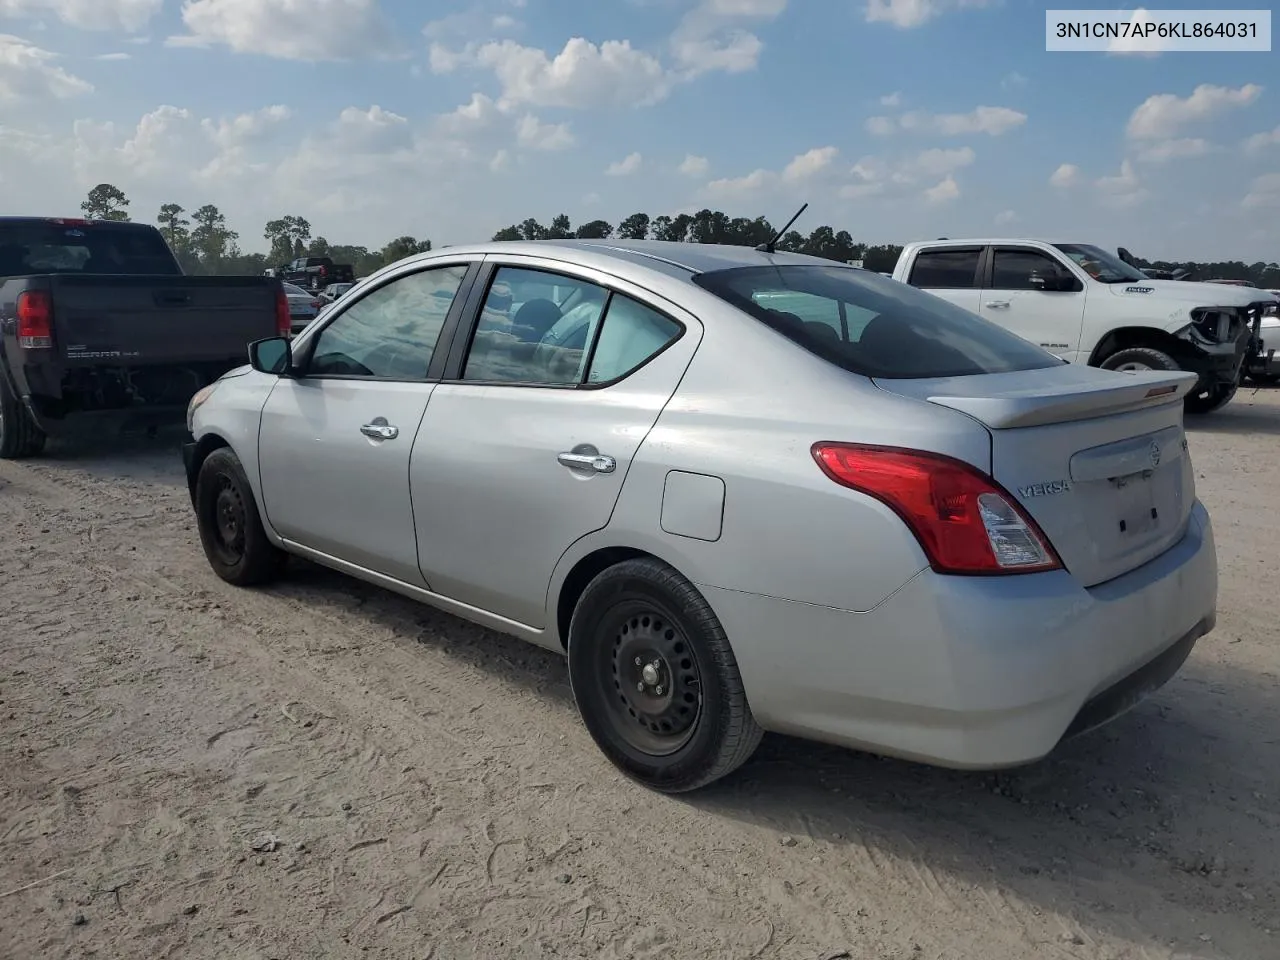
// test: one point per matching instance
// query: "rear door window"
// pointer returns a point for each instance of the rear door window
(890, 329)
(946, 269)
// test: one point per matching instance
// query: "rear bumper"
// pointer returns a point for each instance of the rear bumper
(974, 672)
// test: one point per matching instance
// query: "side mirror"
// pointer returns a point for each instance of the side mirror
(273, 355)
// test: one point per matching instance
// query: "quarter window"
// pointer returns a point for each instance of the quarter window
(391, 332)
(632, 333)
(945, 269)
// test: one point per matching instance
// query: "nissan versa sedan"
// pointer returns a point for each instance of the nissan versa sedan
(740, 490)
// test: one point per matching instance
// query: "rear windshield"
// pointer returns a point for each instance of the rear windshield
(36, 247)
(872, 325)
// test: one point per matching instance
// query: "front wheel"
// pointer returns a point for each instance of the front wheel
(655, 680)
(231, 531)
(1140, 358)
(1214, 398)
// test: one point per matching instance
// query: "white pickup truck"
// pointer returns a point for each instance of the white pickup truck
(1088, 306)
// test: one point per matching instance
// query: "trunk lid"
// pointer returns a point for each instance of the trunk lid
(1098, 459)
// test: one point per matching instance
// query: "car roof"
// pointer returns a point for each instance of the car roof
(674, 258)
(984, 241)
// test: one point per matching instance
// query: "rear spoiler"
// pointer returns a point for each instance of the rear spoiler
(1037, 406)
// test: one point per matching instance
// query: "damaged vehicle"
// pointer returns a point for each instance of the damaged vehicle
(1089, 306)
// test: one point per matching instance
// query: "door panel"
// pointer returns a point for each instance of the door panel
(335, 441)
(505, 476)
(1052, 319)
(329, 486)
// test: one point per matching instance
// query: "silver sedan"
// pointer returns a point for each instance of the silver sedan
(740, 490)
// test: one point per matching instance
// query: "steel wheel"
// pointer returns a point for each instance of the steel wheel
(655, 679)
(655, 676)
(229, 522)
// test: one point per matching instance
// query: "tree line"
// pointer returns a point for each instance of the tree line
(204, 243)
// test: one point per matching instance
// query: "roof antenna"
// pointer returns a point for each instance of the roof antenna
(771, 246)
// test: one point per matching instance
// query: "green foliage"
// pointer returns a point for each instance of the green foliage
(106, 201)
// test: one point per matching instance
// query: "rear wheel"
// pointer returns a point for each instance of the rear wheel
(231, 531)
(19, 435)
(655, 680)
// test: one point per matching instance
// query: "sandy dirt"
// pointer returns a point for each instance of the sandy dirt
(322, 769)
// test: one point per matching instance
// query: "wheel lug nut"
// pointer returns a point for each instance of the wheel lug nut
(640, 686)
(658, 691)
(638, 661)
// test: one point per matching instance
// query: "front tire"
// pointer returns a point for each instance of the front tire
(231, 531)
(20, 436)
(1215, 398)
(655, 680)
(1140, 358)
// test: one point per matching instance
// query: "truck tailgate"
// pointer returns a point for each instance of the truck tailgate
(139, 321)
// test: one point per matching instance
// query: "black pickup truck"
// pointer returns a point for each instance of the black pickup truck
(97, 320)
(316, 273)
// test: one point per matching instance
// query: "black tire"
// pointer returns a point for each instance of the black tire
(700, 727)
(19, 435)
(1140, 358)
(1207, 401)
(230, 528)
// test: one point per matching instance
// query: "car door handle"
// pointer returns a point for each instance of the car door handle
(588, 461)
(380, 430)
(996, 303)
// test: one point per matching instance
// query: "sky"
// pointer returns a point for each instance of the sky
(449, 119)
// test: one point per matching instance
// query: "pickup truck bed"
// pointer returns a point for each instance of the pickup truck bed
(77, 346)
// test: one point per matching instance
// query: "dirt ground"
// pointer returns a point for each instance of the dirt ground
(323, 769)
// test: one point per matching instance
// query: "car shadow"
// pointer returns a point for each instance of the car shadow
(1252, 411)
(113, 453)
(1175, 802)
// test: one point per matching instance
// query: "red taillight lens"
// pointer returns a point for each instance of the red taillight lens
(966, 522)
(35, 319)
(283, 322)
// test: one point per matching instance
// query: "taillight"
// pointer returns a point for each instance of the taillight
(966, 523)
(324, 271)
(35, 319)
(284, 324)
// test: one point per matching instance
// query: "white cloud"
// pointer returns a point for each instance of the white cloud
(692, 166)
(1163, 151)
(443, 60)
(581, 75)
(937, 161)
(905, 176)
(1263, 192)
(992, 121)
(891, 100)
(113, 56)
(235, 137)
(1067, 175)
(478, 113)
(501, 161)
(740, 187)
(532, 132)
(880, 126)
(290, 29)
(122, 15)
(628, 165)
(1011, 81)
(711, 36)
(27, 72)
(1261, 141)
(907, 14)
(944, 191)
(1006, 216)
(809, 163)
(1122, 189)
(1164, 114)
